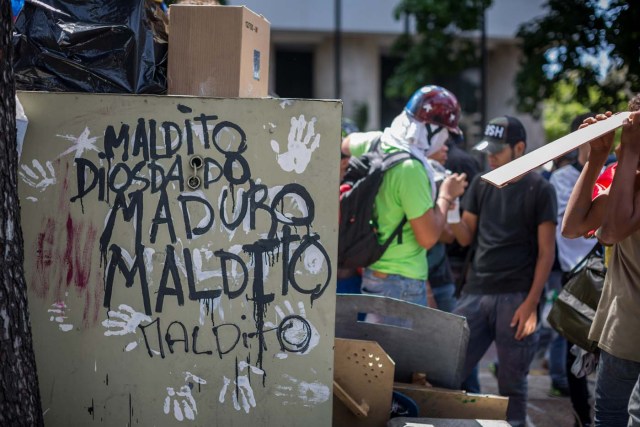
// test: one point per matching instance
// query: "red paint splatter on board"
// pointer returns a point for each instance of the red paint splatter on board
(44, 250)
(63, 253)
(69, 250)
(64, 262)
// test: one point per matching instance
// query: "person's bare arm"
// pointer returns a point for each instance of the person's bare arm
(428, 227)
(526, 317)
(431, 299)
(583, 214)
(346, 150)
(619, 223)
(447, 236)
(465, 230)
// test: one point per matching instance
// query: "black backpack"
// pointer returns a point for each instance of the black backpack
(358, 239)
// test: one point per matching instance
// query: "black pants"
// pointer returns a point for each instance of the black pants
(578, 391)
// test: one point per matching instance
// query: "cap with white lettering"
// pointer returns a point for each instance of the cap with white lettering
(500, 132)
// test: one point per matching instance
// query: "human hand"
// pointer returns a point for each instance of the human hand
(602, 144)
(630, 138)
(453, 186)
(431, 299)
(524, 320)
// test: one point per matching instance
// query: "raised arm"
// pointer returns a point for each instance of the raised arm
(428, 227)
(622, 221)
(583, 215)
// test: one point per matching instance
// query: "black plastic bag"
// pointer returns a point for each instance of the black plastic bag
(100, 46)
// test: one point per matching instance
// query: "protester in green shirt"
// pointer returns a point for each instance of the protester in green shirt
(407, 191)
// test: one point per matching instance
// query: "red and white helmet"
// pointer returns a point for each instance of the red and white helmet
(435, 105)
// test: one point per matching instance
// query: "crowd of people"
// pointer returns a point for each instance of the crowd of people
(495, 255)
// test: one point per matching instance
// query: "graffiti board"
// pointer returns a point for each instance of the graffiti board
(180, 258)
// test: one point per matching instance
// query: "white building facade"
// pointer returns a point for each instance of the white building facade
(303, 55)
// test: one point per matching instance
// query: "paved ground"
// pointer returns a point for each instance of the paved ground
(543, 411)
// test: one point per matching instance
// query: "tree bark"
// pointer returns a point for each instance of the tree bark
(19, 393)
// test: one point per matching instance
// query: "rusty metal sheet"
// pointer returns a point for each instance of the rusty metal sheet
(435, 344)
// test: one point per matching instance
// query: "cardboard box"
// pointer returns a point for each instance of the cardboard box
(220, 51)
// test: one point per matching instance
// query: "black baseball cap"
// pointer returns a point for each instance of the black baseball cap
(500, 132)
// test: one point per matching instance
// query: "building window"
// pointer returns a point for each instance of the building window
(389, 107)
(294, 74)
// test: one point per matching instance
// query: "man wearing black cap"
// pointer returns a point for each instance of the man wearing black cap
(514, 233)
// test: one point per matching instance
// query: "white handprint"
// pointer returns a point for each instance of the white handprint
(242, 392)
(128, 323)
(295, 333)
(184, 405)
(30, 177)
(58, 315)
(299, 146)
(309, 394)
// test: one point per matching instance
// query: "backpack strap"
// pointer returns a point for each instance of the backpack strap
(597, 249)
(390, 160)
(396, 233)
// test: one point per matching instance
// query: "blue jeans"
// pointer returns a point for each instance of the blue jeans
(393, 286)
(615, 379)
(445, 297)
(349, 285)
(558, 362)
(489, 318)
(634, 406)
(472, 383)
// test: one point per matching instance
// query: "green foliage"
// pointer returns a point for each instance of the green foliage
(560, 110)
(591, 48)
(438, 50)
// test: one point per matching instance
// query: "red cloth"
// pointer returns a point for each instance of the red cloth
(602, 184)
(343, 189)
(604, 180)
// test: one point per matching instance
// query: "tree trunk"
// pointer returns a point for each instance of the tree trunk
(19, 394)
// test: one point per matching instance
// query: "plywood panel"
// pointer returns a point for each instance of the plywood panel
(530, 161)
(440, 403)
(154, 303)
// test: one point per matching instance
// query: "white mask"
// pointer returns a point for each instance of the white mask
(436, 138)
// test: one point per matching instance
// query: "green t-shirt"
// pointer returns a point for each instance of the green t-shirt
(405, 190)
